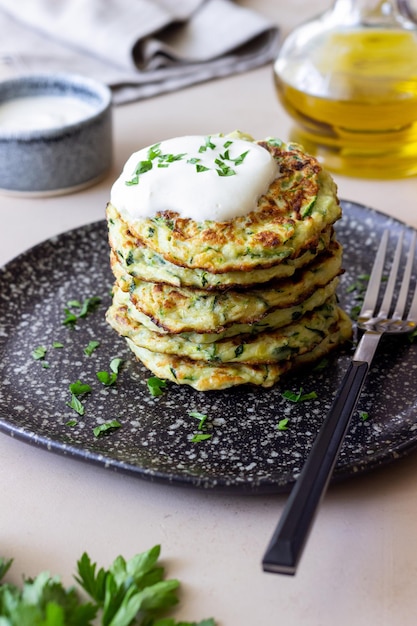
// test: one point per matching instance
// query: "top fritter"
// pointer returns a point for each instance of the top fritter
(273, 202)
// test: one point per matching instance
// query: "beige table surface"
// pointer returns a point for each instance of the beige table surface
(360, 566)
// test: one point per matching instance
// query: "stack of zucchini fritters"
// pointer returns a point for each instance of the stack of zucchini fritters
(217, 304)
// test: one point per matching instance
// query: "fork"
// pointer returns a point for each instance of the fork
(287, 543)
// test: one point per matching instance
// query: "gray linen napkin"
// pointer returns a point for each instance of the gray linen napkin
(140, 48)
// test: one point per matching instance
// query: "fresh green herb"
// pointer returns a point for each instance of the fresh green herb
(154, 156)
(201, 168)
(70, 318)
(156, 385)
(89, 305)
(199, 416)
(200, 437)
(299, 396)
(223, 169)
(71, 423)
(208, 144)
(78, 389)
(239, 160)
(92, 345)
(57, 345)
(109, 378)
(39, 353)
(45, 365)
(364, 415)
(283, 424)
(76, 404)
(106, 428)
(82, 309)
(129, 592)
(321, 365)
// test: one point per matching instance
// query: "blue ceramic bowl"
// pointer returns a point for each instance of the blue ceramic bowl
(68, 155)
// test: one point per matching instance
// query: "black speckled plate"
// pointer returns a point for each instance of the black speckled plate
(246, 453)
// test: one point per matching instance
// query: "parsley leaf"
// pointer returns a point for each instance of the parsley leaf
(82, 309)
(156, 385)
(106, 428)
(76, 404)
(199, 416)
(200, 437)
(39, 353)
(92, 345)
(299, 396)
(283, 424)
(78, 389)
(109, 378)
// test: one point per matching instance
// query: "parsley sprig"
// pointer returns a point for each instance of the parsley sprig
(129, 592)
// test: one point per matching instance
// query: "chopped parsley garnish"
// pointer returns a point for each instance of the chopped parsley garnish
(57, 345)
(107, 427)
(109, 378)
(224, 165)
(39, 353)
(208, 144)
(364, 415)
(200, 436)
(156, 385)
(78, 389)
(199, 416)
(76, 310)
(92, 345)
(154, 156)
(299, 396)
(283, 424)
(133, 591)
(76, 404)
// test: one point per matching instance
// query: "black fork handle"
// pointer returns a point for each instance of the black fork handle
(289, 538)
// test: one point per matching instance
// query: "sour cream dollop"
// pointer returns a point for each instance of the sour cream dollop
(203, 178)
(42, 112)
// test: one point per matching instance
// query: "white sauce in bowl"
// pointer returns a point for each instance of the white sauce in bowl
(202, 178)
(42, 112)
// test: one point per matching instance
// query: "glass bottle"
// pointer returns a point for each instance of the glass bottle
(349, 80)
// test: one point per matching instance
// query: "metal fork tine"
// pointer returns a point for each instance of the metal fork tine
(392, 279)
(374, 282)
(405, 285)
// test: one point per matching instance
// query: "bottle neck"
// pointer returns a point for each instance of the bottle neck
(372, 12)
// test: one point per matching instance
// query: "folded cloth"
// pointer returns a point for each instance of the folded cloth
(140, 48)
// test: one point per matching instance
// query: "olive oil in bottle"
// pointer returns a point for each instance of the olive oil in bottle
(352, 90)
